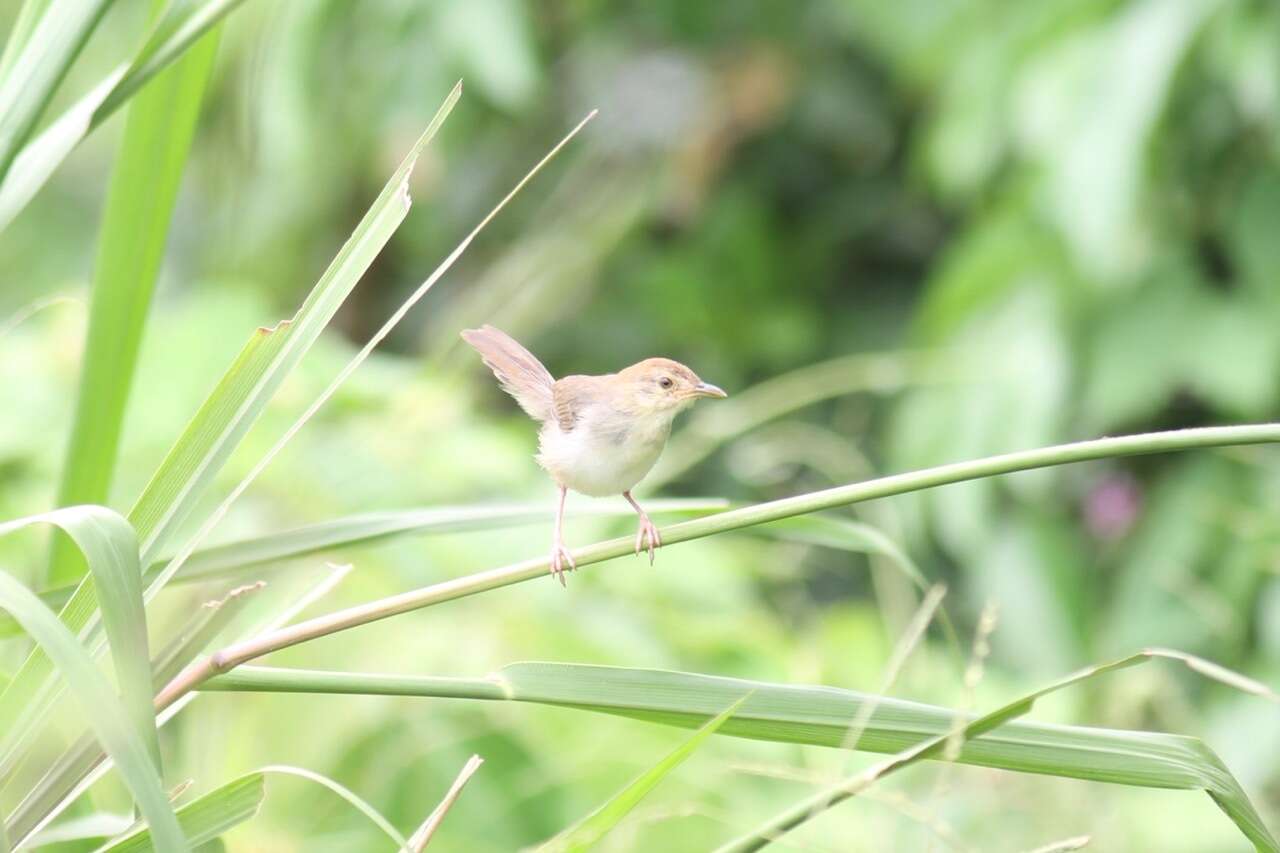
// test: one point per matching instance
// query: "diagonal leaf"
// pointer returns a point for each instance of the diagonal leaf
(28, 16)
(819, 716)
(222, 421)
(51, 44)
(422, 837)
(110, 548)
(589, 831)
(135, 226)
(121, 740)
(205, 817)
(182, 24)
(233, 407)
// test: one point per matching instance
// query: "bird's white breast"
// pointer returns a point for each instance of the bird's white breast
(605, 453)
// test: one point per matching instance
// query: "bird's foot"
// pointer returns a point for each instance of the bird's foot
(561, 561)
(647, 537)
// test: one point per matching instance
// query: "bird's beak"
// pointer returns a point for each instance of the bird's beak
(706, 389)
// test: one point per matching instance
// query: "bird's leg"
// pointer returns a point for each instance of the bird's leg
(559, 554)
(647, 536)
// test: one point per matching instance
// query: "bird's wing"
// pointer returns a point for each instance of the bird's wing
(518, 370)
(570, 396)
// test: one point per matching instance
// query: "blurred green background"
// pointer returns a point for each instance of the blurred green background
(1041, 221)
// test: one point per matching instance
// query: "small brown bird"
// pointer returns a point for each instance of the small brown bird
(600, 434)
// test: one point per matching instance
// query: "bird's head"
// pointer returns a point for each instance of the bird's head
(660, 385)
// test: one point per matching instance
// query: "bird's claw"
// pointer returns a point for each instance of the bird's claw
(560, 556)
(647, 537)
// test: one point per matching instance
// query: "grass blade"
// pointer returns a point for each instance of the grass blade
(358, 359)
(28, 16)
(53, 43)
(218, 561)
(181, 25)
(962, 732)
(241, 397)
(734, 519)
(104, 713)
(589, 831)
(110, 549)
(820, 716)
(227, 415)
(205, 817)
(135, 226)
(843, 534)
(422, 837)
(375, 817)
(82, 765)
(84, 828)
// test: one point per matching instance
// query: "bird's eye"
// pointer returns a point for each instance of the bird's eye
(665, 382)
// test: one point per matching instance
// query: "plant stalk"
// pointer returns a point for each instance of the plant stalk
(1103, 448)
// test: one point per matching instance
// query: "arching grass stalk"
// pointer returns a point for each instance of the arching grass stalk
(1061, 454)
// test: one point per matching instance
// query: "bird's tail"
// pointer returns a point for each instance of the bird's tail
(518, 370)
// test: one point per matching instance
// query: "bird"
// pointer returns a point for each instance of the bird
(600, 435)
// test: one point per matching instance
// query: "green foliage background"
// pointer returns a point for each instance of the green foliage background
(1072, 204)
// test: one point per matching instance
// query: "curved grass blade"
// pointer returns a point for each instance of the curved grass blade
(228, 413)
(589, 831)
(110, 549)
(50, 46)
(205, 817)
(375, 817)
(181, 25)
(122, 741)
(819, 716)
(844, 534)
(135, 226)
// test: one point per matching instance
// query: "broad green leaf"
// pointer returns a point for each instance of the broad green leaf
(158, 131)
(110, 548)
(50, 46)
(205, 817)
(223, 420)
(103, 711)
(182, 24)
(819, 716)
(589, 831)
